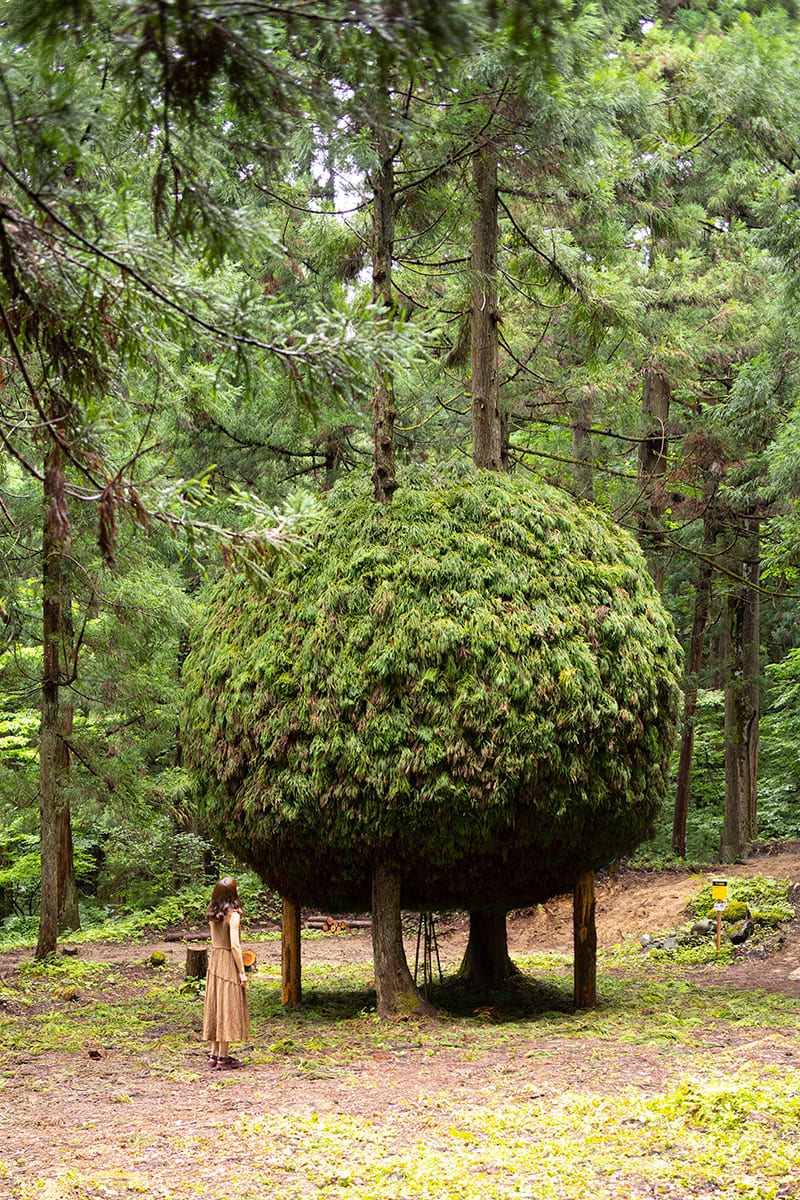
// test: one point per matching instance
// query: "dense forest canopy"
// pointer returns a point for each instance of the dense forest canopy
(231, 234)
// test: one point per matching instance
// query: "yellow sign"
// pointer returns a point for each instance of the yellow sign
(719, 889)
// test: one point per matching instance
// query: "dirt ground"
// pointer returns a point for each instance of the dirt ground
(629, 904)
(122, 1122)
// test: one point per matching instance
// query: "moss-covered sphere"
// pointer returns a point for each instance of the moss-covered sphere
(478, 684)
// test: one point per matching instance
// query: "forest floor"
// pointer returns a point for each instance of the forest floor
(683, 1082)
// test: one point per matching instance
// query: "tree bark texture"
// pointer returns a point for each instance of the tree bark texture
(291, 965)
(487, 423)
(196, 963)
(384, 476)
(585, 943)
(742, 703)
(398, 995)
(691, 679)
(56, 540)
(653, 454)
(582, 450)
(486, 962)
(68, 914)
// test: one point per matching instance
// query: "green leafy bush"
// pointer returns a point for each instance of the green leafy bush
(767, 899)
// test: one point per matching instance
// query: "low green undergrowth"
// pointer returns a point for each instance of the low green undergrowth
(102, 923)
(507, 1095)
(69, 1004)
(766, 899)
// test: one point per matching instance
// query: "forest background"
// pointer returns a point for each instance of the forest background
(196, 303)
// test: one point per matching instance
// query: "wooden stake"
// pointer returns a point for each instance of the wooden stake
(290, 952)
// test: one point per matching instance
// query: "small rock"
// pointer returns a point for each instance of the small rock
(157, 958)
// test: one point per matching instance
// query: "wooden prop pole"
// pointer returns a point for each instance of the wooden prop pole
(585, 942)
(291, 991)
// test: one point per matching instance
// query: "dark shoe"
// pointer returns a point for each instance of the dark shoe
(228, 1064)
(212, 1060)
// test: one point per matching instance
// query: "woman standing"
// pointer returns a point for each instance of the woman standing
(225, 1016)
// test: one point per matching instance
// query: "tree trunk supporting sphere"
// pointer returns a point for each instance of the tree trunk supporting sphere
(291, 990)
(486, 962)
(585, 942)
(398, 995)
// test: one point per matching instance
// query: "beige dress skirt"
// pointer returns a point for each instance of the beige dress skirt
(225, 1016)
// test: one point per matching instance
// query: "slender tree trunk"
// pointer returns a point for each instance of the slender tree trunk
(585, 943)
(384, 476)
(56, 539)
(397, 993)
(486, 962)
(68, 914)
(653, 469)
(691, 679)
(742, 704)
(582, 451)
(487, 423)
(396, 990)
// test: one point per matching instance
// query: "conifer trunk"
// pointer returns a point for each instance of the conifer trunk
(396, 990)
(742, 703)
(691, 681)
(68, 914)
(653, 454)
(384, 476)
(487, 424)
(582, 450)
(486, 961)
(397, 993)
(55, 834)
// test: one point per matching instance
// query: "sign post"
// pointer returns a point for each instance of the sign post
(719, 894)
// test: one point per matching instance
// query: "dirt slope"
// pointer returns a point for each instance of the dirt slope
(629, 903)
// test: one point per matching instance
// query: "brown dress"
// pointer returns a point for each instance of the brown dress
(225, 1016)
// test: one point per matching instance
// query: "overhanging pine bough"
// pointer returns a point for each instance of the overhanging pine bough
(478, 685)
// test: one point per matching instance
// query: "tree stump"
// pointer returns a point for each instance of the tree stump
(585, 942)
(196, 962)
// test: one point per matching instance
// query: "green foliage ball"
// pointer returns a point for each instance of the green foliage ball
(478, 685)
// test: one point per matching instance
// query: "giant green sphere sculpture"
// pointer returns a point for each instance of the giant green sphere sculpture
(477, 686)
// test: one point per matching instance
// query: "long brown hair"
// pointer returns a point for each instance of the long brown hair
(224, 899)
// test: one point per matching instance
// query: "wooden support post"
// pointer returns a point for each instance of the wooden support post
(196, 962)
(585, 942)
(290, 952)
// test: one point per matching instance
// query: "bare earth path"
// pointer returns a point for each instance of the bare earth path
(80, 1124)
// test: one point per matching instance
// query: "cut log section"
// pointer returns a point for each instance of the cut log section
(196, 962)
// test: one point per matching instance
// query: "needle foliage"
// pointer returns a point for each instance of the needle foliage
(477, 685)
